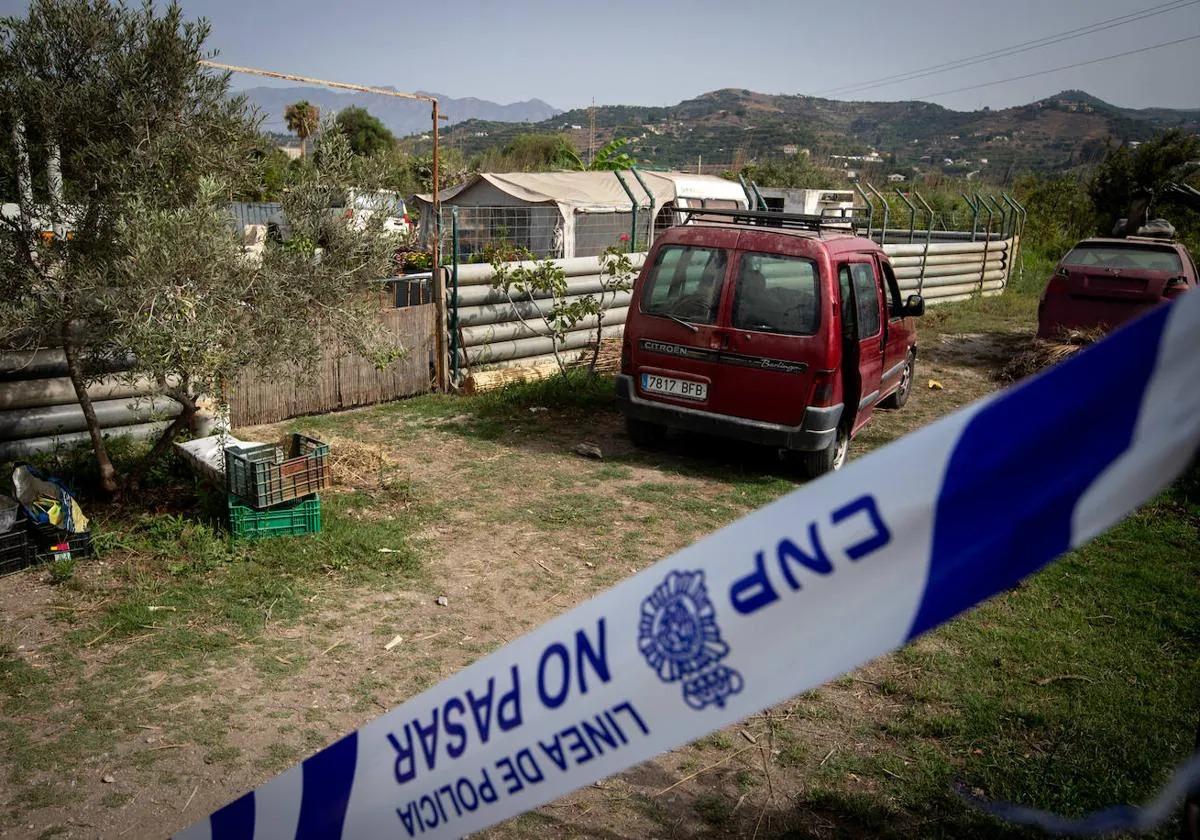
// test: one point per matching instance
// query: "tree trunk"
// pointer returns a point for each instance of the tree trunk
(183, 421)
(108, 474)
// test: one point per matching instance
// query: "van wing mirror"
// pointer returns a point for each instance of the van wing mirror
(914, 307)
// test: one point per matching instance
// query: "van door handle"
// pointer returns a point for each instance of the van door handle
(719, 341)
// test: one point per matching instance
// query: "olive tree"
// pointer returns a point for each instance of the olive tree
(147, 264)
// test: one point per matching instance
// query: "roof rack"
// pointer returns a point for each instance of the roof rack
(774, 218)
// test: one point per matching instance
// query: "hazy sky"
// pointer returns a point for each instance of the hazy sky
(658, 52)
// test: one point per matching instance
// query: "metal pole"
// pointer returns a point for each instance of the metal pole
(928, 239)
(439, 275)
(987, 240)
(653, 205)
(750, 205)
(762, 203)
(634, 205)
(1018, 230)
(870, 207)
(886, 211)
(912, 216)
(974, 214)
(454, 364)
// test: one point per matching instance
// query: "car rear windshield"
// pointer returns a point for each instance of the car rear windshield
(776, 294)
(685, 282)
(1125, 256)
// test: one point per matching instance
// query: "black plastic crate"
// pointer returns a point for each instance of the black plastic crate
(267, 475)
(50, 543)
(16, 550)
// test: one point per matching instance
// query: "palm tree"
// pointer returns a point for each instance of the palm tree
(302, 118)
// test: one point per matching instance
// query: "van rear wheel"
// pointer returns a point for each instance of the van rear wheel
(829, 459)
(645, 435)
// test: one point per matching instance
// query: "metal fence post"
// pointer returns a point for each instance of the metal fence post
(653, 206)
(974, 214)
(886, 212)
(870, 207)
(634, 205)
(912, 216)
(454, 363)
(928, 240)
(762, 202)
(987, 240)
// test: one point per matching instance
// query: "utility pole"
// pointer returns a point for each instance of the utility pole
(592, 131)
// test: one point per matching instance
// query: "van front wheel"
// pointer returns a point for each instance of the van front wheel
(829, 459)
(645, 435)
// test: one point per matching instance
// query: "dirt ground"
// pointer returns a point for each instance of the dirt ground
(521, 530)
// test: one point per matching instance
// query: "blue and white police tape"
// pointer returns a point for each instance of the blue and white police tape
(794, 594)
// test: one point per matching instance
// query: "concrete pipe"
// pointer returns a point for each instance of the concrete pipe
(908, 286)
(483, 295)
(15, 450)
(493, 333)
(960, 289)
(950, 270)
(17, 365)
(525, 347)
(568, 357)
(942, 259)
(987, 292)
(55, 419)
(497, 313)
(35, 393)
(918, 248)
(480, 274)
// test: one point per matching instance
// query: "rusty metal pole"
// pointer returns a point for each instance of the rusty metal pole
(439, 278)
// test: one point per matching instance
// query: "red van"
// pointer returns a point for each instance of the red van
(1102, 283)
(782, 330)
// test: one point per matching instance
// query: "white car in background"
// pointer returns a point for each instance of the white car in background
(362, 205)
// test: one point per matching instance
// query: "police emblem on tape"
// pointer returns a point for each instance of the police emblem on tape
(679, 637)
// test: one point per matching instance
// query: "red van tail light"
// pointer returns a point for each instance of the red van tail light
(1175, 287)
(627, 356)
(824, 392)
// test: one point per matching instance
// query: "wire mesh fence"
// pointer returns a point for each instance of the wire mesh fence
(545, 232)
(486, 233)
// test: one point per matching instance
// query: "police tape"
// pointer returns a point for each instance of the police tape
(794, 594)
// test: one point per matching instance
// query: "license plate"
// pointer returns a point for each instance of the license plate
(671, 387)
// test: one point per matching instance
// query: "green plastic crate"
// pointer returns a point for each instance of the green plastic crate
(268, 474)
(291, 519)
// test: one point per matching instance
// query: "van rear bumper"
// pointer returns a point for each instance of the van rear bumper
(817, 431)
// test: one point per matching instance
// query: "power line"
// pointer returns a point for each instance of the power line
(1064, 67)
(1015, 49)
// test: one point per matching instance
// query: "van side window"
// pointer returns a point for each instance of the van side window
(892, 290)
(776, 294)
(849, 322)
(866, 299)
(685, 282)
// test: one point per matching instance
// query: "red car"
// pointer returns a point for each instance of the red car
(1102, 283)
(788, 336)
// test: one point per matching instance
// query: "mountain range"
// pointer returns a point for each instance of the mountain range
(401, 116)
(730, 126)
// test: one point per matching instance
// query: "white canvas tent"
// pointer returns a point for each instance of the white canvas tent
(573, 214)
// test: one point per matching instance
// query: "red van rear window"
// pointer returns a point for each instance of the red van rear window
(685, 282)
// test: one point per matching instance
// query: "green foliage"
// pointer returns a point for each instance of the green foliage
(533, 153)
(526, 281)
(1060, 212)
(366, 133)
(612, 156)
(1128, 173)
(796, 172)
